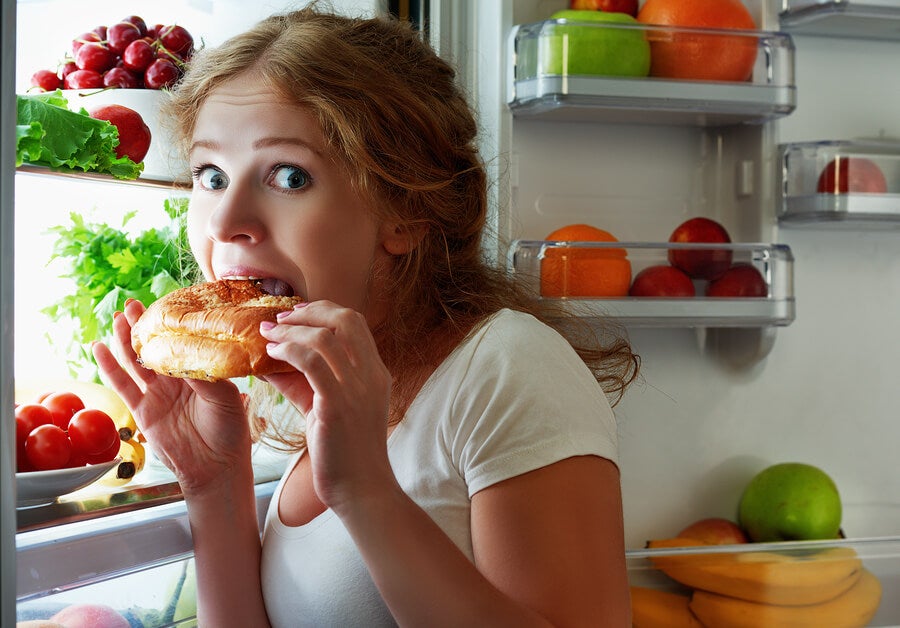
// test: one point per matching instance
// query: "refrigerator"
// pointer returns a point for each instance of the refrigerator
(729, 386)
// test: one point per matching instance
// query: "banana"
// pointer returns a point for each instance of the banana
(653, 608)
(852, 609)
(765, 577)
(133, 458)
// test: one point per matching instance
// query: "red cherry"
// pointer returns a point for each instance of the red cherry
(66, 69)
(84, 38)
(101, 32)
(121, 34)
(83, 79)
(137, 21)
(46, 80)
(95, 56)
(138, 55)
(177, 39)
(160, 74)
(120, 77)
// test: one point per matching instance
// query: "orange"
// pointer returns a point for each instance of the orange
(584, 271)
(700, 56)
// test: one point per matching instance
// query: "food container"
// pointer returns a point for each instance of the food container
(844, 184)
(866, 19)
(567, 70)
(534, 262)
(163, 163)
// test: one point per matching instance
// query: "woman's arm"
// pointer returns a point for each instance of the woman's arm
(549, 551)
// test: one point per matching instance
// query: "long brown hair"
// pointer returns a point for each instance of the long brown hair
(394, 116)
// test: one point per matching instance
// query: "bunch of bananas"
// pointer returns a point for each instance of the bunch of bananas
(820, 587)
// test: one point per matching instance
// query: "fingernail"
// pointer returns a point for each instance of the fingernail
(128, 300)
(116, 314)
(265, 325)
(281, 315)
(299, 305)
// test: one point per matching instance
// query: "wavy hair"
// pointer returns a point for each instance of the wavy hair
(394, 116)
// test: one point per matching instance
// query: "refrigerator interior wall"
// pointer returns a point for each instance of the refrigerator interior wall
(697, 427)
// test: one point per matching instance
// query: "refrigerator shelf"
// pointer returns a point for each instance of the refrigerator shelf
(142, 181)
(872, 19)
(774, 263)
(840, 184)
(545, 83)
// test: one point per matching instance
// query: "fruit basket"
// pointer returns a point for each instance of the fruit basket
(870, 19)
(797, 583)
(841, 184)
(621, 72)
(601, 279)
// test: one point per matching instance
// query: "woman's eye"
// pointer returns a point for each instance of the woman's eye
(290, 177)
(211, 178)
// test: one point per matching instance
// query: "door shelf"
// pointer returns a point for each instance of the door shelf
(840, 184)
(873, 19)
(546, 83)
(774, 263)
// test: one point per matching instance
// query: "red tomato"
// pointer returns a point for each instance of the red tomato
(47, 447)
(22, 431)
(33, 415)
(105, 456)
(63, 406)
(93, 432)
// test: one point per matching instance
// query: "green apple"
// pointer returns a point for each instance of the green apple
(791, 501)
(575, 48)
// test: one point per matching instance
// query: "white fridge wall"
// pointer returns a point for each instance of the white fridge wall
(696, 429)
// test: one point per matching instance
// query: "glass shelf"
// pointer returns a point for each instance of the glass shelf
(774, 262)
(141, 181)
(874, 19)
(840, 184)
(547, 84)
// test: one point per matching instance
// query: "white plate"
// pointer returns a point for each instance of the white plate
(36, 488)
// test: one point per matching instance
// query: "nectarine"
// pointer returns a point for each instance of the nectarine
(701, 263)
(741, 280)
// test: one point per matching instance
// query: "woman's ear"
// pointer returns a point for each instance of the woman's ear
(398, 239)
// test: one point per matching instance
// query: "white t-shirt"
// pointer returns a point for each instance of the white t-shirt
(512, 398)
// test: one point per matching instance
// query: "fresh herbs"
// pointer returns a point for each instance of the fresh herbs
(109, 266)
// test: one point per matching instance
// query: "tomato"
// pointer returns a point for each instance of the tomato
(63, 406)
(47, 447)
(33, 415)
(22, 432)
(105, 456)
(92, 431)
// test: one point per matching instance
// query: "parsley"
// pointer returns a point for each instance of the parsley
(109, 266)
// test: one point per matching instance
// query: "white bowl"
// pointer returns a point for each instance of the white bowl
(36, 488)
(162, 162)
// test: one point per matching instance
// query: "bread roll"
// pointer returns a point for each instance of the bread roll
(209, 331)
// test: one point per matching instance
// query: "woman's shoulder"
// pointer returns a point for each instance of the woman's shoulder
(515, 332)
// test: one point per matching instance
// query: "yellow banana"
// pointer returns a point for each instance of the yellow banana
(133, 458)
(653, 608)
(852, 609)
(767, 577)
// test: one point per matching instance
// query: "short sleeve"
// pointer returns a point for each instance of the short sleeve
(526, 400)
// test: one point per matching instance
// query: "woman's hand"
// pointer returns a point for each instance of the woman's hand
(344, 389)
(198, 429)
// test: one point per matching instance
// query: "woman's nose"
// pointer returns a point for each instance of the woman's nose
(235, 218)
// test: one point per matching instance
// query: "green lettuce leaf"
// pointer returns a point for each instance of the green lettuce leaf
(48, 134)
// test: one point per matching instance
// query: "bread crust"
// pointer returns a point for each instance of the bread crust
(209, 331)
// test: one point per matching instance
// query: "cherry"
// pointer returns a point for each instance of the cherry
(137, 21)
(101, 32)
(66, 68)
(120, 77)
(46, 80)
(95, 56)
(177, 39)
(84, 38)
(83, 79)
(161, 73)
(120, 34)
(138, 55)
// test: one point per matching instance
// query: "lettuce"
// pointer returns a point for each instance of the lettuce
(48, 134)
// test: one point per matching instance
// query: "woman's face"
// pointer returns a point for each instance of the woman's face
(269, 203)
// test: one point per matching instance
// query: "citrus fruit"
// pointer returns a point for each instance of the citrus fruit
(598, 50)
(790, 501)
(584, 271)
(697, 55)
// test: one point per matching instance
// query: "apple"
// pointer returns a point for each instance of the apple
(134, 134)
(579, 49)
(610, 6)
(741, 280)
(791, 501)
(715, 531)
(90, 616)
(851, 174)
(661, 281)
(701, 263)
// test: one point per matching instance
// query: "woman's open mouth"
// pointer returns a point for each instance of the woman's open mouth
(269, 285)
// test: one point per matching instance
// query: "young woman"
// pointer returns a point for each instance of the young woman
(457, 462)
